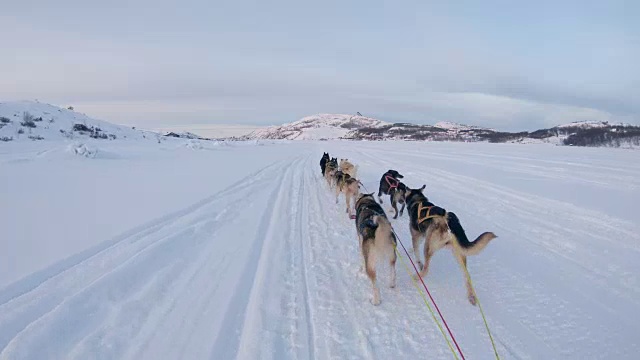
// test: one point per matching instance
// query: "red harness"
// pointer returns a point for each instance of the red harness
(393, 182)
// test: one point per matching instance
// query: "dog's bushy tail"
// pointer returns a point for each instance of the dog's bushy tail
(468, 247)
(384, 234)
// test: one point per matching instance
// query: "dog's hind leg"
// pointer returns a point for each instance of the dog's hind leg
(429, 250)
(415, 240)
(394, 205)
(347, 198)
(370, 265)
(355, 199)
(360, 241)
(402, 209)
(379, 195)
(462, 260)
(392, 264)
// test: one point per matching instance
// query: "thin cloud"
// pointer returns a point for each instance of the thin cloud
(254, 63)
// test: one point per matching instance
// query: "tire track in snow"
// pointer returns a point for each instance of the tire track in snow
(261, 333)
(298, 276)
(207, 323)
(55, 303)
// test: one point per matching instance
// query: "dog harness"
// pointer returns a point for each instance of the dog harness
(428, 215)
(391, 181)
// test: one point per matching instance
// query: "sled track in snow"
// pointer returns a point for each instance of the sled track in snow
(269, 268)
(132, 283)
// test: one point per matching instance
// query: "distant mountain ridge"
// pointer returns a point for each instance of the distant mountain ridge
(358, 127)
(32, 120)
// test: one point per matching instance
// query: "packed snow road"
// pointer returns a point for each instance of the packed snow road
(266, 264)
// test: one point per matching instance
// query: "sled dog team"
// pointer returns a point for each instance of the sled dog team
(438, 227)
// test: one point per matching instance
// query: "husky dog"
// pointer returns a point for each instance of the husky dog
(440, 228)
(396, 195)
(388, 181)
(348, 168)
(330, 169)
(347, 185)
(323, 162)
(377, 241)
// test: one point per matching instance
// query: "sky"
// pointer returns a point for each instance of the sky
(509, 65)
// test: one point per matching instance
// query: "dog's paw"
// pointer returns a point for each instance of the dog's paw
(472, 299)
(375, 302)
(392, 285)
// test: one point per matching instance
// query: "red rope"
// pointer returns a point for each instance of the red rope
(429, 293)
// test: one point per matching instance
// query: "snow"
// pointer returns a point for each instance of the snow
(322, 132)
(196, 249)
(55, 123)
(316, 127)
(591, 124)
(215, 131)
(455, 126)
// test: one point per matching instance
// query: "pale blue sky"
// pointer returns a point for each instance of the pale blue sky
(503, 64)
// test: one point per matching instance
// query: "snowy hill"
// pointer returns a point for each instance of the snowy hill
(316, 127)
(447, 125)
(338, 126)
(358, 127)
(589, 124)
(32, 120)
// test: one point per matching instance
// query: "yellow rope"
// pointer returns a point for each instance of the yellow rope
(486, 325)
(415, 283)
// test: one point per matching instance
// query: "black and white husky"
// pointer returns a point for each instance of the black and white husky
(392, 186)
(377, 241)
(440, 228)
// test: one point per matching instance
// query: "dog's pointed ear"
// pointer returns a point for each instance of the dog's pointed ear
(422, 188)
(371, 194)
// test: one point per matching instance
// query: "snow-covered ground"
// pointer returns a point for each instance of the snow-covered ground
(212, 250)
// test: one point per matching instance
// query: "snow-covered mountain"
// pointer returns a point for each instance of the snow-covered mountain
(356, 127)
(33, 120)
(590, 124)
(458, 127)
(317, 127)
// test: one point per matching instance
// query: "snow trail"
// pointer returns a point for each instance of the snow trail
(269, 267)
